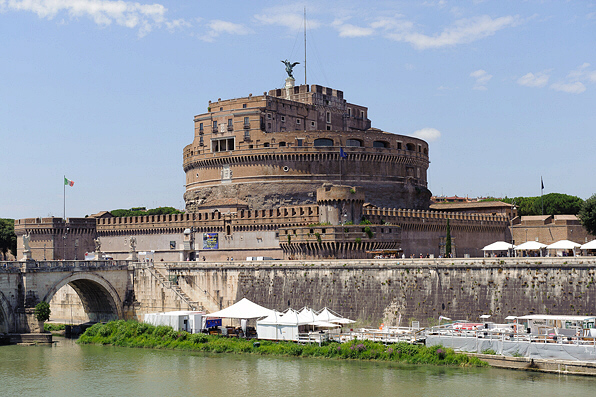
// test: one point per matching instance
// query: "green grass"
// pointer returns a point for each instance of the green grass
(51, 327)
(134, 334)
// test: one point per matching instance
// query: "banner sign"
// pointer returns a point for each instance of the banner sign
(210, 241)
(212, 322)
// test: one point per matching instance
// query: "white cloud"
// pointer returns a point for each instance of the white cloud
(348, 30)
(461, 32)
(481, 79)
(133, 15)
(539, 79)
(574, 82)
(290, 16)
(428, 134)
(570, 88)
(218, 27)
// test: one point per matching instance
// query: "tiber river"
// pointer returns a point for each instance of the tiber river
(67, 369)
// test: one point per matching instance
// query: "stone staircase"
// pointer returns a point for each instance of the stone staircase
(174, 287)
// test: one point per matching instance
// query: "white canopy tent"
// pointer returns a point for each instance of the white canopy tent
(563, 245)
(328, 316)
(243, 309)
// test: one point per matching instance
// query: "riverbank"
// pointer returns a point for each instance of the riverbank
(133, 334)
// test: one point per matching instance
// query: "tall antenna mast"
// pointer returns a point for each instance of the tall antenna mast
(304, 45)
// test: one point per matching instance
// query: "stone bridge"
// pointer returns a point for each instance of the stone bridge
(104, 287)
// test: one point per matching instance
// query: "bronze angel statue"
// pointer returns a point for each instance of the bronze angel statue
(289, 67)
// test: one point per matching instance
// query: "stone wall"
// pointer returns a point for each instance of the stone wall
(386, 290)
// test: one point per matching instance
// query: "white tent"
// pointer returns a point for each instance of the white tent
(498, 246)
(530, 246)
(563, 245)
(279, 326)
(589, 246)
(328, 316)
(243, 309)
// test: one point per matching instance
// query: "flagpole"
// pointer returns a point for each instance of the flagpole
(64, 195)
(541, 191)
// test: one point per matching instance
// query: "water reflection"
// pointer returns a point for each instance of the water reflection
(71, 370)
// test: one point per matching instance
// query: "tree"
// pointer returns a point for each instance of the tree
(8, 238)
(448, 240)
(42, 311)
(558, 204)
(587, 215)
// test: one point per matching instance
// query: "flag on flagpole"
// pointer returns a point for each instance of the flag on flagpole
(68, 182)
(541, 183)
(342, 154)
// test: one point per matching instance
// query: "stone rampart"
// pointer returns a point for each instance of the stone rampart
(386, 290)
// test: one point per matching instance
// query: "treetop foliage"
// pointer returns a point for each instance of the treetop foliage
(587, 215)
(140, 211)
(554, 204)
(8, 238)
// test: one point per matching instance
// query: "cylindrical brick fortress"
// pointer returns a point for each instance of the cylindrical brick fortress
(278, 149)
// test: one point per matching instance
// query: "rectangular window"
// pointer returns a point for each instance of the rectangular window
(349, 112)
(399, 145)
(328, 117)
(362, 114)
(222, 145)
(244, 106)
(298, 141)
(230, 121)
(283, 119)
(312, 123)
(297, 121)
(200, 126)
(201, 140)
(269, 116)
(215, 124)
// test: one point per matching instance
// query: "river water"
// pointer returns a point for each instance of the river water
(67, 369)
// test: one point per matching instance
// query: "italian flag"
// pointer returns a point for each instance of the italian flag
(68, 182)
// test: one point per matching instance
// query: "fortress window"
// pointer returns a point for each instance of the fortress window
(399, 145)
(312, 123)
(349, 112)
(381, 144)
(353, 142)
(298, 121)
(419, 149)
(328, 117)
(362, 114)
(244, 106)
(201, 140)
(221, 109)
(269, 116)
(230, 121)
(222, 145)
(282, 144)
(215, 124)
(323, 142)
(283, 119)
(328, 128)
(410, 146)
(201, 127)
(426, 151)
(269, 126)
(266, 144)
(298, 141)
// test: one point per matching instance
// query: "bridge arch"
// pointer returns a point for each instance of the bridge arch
(7, 323)
(100, 299)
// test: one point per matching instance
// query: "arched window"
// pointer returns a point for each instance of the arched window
(353, 142)
(410, 146)
(228, 230)
(323, 142)
(382, 144)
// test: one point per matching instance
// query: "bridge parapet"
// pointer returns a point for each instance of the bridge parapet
(63, 265)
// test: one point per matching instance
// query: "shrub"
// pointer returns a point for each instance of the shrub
(42, 311)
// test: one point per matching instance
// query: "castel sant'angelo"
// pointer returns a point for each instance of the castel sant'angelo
(295, 173)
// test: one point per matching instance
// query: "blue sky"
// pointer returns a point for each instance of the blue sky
(105, 92)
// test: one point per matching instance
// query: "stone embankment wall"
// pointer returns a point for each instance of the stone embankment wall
(382, 290)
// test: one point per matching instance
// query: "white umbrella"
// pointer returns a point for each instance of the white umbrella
(498, 246)
(530, 246)
(563, 245)
(589, 246)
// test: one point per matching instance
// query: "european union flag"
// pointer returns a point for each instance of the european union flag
(342, 154)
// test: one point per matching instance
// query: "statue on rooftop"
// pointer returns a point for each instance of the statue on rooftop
(289, 67)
